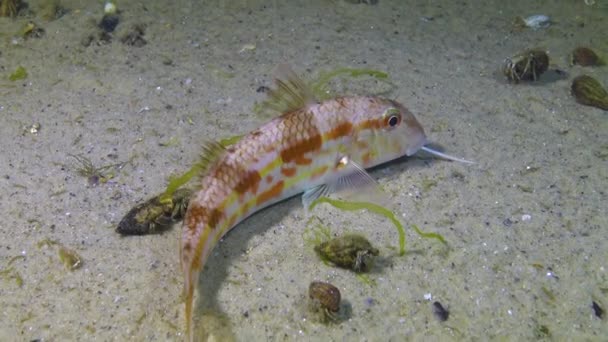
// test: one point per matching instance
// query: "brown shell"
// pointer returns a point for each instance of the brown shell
(326, 294)
(584, 56)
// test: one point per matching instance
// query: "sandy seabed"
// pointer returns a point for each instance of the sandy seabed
(526, 225)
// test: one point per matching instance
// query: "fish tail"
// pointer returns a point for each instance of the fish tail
(189, 294)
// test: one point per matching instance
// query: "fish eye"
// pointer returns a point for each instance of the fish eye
(392, 118)
(393, 121)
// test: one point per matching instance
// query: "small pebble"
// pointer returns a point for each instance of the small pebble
(34, 128)
(537, 21)
(247, 47)
(109, 22)
(367, 2)
(597, 310)
(440, 312)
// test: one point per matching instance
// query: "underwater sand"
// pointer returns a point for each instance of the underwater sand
(526, 225)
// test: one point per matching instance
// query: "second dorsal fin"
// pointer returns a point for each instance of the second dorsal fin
(212, 152)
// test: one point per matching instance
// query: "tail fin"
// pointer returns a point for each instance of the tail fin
(189, 286)
(189, 294)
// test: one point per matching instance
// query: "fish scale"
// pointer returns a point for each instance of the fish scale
(311, 146)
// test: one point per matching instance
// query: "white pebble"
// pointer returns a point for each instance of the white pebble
(109, 8)
(537, 21)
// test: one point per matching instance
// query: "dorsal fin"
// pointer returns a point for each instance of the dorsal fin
(291, 92)
(212, 152)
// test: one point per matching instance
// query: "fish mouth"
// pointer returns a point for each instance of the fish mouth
(417, 143)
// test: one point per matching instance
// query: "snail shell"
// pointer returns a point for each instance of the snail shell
(327, 295)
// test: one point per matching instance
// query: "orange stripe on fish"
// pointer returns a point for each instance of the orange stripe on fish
(341, 130)
(288, 171)
(274, 192)
(249, 181)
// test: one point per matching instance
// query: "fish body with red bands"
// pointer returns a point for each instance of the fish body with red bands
(312, 147)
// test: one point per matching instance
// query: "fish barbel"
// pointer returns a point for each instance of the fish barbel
(313, 147)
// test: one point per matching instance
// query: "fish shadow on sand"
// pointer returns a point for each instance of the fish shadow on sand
(216, 271)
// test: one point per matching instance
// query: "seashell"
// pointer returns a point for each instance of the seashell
(156, 214)
(350, 251)
(526, 66)
(584, 56)
(326, 295)
(588, 91)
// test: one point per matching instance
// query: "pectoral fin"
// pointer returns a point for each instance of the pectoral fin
(310, 195)
(355, 185)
